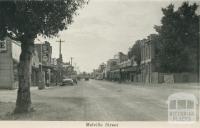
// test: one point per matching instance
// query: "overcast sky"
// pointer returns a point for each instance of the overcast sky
(105, 27)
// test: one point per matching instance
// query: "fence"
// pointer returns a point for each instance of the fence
(174, 77)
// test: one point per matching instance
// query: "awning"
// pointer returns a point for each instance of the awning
(130, 69)
(47, 67)
(116, 70)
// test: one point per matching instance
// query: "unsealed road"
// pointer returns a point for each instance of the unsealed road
(102, 101)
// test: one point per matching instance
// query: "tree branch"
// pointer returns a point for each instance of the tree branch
(13, 38)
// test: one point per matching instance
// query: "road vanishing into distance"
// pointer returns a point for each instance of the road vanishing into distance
(97, 100)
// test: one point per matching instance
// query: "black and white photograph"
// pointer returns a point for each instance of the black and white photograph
(100, 62)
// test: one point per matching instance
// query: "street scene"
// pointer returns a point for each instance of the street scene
(91, 60)
(97, 100)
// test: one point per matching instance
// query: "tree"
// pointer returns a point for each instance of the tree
(23, 21)
(135, 52)
(178, 36)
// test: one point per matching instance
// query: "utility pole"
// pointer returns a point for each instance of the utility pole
(71, 60)
(198, 55)
(198, 60)
(60, 47)
(60, 61)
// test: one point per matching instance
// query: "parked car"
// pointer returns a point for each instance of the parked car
(99, 78)
(78, 78)
(86, 79)
(67, 81)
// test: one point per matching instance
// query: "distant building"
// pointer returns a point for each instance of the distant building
(44, 53)
(54, 61)
(148, 61)
(112, 69)
(121, 68)
(111, 63)
(102, 67)
(68, 69)
(128, 70)
(121, 57)
(101, 71)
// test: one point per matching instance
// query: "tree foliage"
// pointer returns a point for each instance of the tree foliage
(178, 36)
(28, 18)
(24, 20)
(135, 52)
(176, 44)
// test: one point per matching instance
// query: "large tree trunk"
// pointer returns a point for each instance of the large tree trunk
(23, 103)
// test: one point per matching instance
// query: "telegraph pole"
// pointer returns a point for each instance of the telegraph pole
(198, 59)
(71, 60)
(60, 60)
(60, 47)
(198, 55)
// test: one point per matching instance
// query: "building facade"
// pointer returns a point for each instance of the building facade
(111, 70)
(8, 63)
(44, 54)
(149, 68)
(121, 68)
(128, 70)
(10, 51)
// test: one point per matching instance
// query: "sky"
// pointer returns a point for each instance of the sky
(105, 27)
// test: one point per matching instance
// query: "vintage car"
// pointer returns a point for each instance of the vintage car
(86, 78)
(67, 81)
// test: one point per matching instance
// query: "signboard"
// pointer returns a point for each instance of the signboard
(45, 56)
(125, 64)
(2, 46)
(54, 61)
(46, 53)
(35, 60)
(16, 51)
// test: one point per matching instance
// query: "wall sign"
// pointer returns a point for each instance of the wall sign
(2, 46)
(16, 51)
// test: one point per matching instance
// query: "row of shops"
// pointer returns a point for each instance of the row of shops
(121, 68)
(123, 73)
(44, 72)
